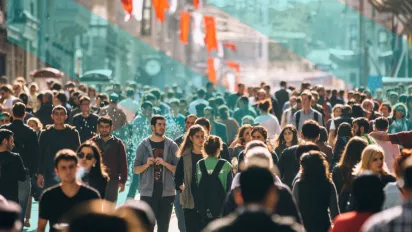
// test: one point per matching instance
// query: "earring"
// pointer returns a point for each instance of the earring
(94, 165)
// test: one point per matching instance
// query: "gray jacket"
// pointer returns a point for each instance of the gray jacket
(146, 185)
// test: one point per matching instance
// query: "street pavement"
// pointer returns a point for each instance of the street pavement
(122, 197)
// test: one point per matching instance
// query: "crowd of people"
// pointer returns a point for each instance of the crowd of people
(308, 159)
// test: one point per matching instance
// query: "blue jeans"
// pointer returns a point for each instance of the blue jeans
(24, 194)
(179, 213)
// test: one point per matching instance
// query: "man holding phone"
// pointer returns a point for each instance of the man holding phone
(156, 163)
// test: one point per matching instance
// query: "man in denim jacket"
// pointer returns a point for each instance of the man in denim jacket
(156, 163)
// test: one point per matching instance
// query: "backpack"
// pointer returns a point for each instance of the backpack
(315, 117)
(211, 192)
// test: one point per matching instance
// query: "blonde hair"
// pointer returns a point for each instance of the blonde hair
(367, 155)
(35, 120)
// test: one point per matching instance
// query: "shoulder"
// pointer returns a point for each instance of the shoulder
(90, 192)
(221, 224)
(290, 150)
(50, 192)
(287, 223)
(70, 127)
(76, 116)
(382, 219)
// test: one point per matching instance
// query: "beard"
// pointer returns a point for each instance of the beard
(159, 134)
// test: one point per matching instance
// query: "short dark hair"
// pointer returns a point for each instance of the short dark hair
(367, 192)
(323, 134)
(5, 134)
(302, 149)
(183, 101)
(212, 111)
(203, 122)
(174, 101)
(362, 122)
(105, 119)
(156, 93)
(190, 116)
(201, 92)
(59, 107)
(381, 124)
(65, 154)
(212, 144)
(56, 86)
(310, 129)
(19, 109)
(283, 83)
(255, 183)
(156, 117)
(147, 104)
(84, 98)
(129, 92)
(244, 99)
(24, 98)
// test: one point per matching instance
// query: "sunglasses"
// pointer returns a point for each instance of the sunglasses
(89, 156)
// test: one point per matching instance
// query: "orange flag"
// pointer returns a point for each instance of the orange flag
(196, 4)
(211, 70)
(160, 7)
(128, 6)
(210, 39)
(234, 65)
(184, 26)
(231, 46)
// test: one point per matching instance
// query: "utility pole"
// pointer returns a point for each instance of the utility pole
(363, 47)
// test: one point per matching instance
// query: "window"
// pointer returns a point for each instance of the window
(146, 28)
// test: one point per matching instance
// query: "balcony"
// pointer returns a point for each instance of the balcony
(401, 8)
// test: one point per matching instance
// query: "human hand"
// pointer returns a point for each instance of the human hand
(160, 161)
(40, 181)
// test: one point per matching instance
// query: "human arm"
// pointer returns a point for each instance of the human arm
(295, 192)
(20, 169)
(224, 154)
(34, 148)
(43, 145)
(122, 163)
(381, 136)
(139, 165)
(287, 205)
(41, 225)
(179, 175)
(333, 202)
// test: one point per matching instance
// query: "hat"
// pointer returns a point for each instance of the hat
(114, 97)
(143, 211)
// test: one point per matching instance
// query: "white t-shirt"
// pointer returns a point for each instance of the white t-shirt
(390, 151)
(8, 103)
(270, 123)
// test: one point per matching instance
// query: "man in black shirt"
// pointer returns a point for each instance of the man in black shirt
(53, 139)
(12, 169)
(27, 146)
(86, 121)
(58, 200)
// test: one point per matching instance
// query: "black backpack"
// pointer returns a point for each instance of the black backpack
(211, 192)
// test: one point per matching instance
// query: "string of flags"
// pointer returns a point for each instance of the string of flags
(207, 38)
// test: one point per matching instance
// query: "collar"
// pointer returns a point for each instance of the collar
(253, 208)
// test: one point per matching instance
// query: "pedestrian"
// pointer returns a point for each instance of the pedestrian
(315, 193)
(257, 196)
(36, 125)
(231, 124)
(46, 109)
(242, 138)
(322, 143)
(368, 196)
(335, 123)
(214, 179)
(114, 157)
(53, 139)
(6, 92)
(361, 128)
(86, 121)
(288, 137)
(216, 128)
(390, 150)
(142, 211)
(373, 160)
(191, 151)
(189, 122)
(342, 173)
(27, 146)
(306, 113)
(12, 169)
(115, 113)
(400, 122)
(93, 172)
(341, 140)
(59, 199)
(156, 163)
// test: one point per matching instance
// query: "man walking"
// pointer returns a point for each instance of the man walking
(156, 163)
(86, 121)
(114, 157)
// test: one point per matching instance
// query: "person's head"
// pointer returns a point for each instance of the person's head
(143, 212)
(304, 148)
(352, 153)
(385, 109)
(34, 123)
(323, 135)
(243, 102)
(372, 160)
(114, 98)
(368, 105)
(393, 98)
(201, 93)
(56, 86)
(147, 109)
(85, 104)
(357, 111)
(241, 88)
(130, 93)
(158, 125)
(4, 118)
(183, 105)
(7, 139)
(310, 131)
(65, 165)
(283, 84)
(259, 133)
(344, 130)
(212, 146)
(261, 95)
(90, 158)
(399, 111)
(200, 109)
(6, 91)
(265, 106)
(367, 193)
(381, 124)
(19, 111)
(174, 106)
(257, 187)
(258, 156)
(289, 134)
(248, 120)
(24, 98)
(306, 99)
(209, 113)
(360, 126)
(337, 110)
(314, 166)
(315, 98)
(104, 126)
(190, 121)
(205, 123)
(224, 112)
(33, 88)
(195, 137)
(9, 214)
(59, 115)
(398, 164)
(100, 98)
(244, 133)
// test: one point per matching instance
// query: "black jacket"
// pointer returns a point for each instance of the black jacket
(282, 96)
(97, 182)
(219, 130)
(12, 170)
(288, 165)
(26, 144)
(44, 114)
(85, 126)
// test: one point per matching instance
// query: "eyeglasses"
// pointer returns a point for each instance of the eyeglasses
(88, 156)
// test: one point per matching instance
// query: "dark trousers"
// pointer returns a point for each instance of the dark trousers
(161, 206)
(193, 220)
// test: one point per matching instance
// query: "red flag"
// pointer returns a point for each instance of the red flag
(231, 46)
(128, 7)
(210, 39)
(184, 26)
(211, 70)
(234, 65)
(160, 7)
(196, 4)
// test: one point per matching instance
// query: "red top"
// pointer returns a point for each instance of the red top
(351, 221)
(402, 138)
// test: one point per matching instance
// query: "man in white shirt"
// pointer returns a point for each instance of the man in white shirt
(390, 150)
(6, 93)
(129, 105)
(201, 95)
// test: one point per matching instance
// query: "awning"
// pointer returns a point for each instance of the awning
(97, 76)
(47, 73)
(344, 57)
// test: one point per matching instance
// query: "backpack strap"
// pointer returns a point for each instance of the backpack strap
(297, 119)
(203, 167)
(218, 167)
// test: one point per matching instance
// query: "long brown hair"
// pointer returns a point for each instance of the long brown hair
(264, 133)
(314, 166)
(187, 143)
(241, 132)
(281, 138)
(99, 169)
